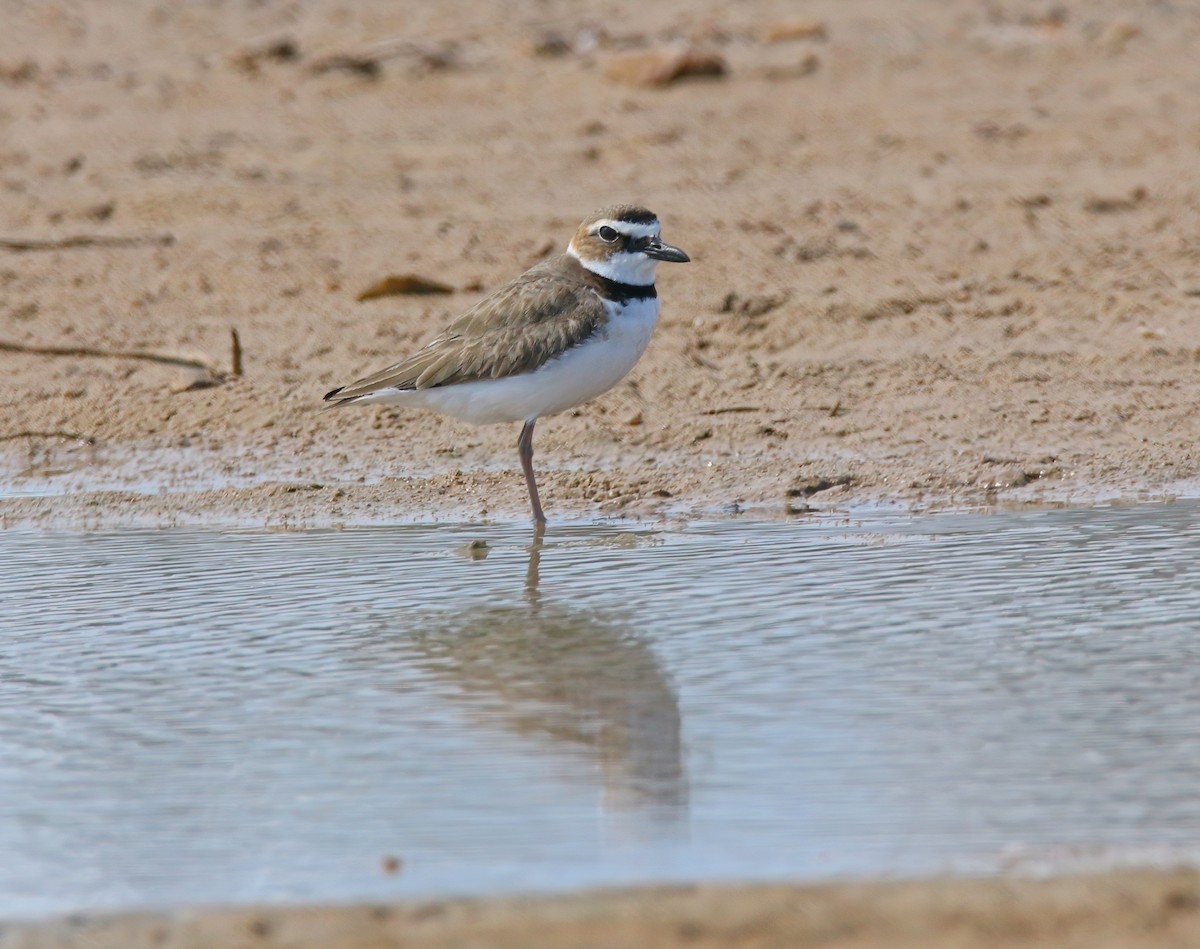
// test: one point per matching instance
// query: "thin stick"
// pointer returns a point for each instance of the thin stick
(167, 358)
(236, 358)
(69, 436)
(20, 244)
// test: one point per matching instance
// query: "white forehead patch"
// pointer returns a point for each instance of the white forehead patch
(636, 231)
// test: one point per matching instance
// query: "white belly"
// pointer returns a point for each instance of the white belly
(580, 374)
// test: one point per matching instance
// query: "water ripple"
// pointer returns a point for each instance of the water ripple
(191, 716)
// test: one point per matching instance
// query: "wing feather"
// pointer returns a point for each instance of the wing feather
(515, 330)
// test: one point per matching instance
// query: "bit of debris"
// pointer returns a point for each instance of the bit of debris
(369, 62)
(798, 70)
(1112, 205)
(20, 244)
(990, 130)
(1008, 478)
(102, 211)
(404, 285)
(235, 359)
(475, 550)
(190, 380)
(391, 864)
(663, 67)
(25, 70)
(551, 44)
(198, 373)
(811, 486)
(279, 49)
(1117, 34)
(799, 29)
(694, 354)
(1016, 477)
(752, 305)
(66, 436)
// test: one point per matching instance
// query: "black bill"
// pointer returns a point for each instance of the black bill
(655, 248)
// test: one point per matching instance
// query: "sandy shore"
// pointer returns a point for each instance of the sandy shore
(1125, 910)
(942, 254)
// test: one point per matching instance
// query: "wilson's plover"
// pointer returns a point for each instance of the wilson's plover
(558, 335)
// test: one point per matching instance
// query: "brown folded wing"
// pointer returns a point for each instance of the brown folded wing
(515, 330)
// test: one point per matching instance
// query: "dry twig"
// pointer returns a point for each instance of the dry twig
(235, 359)
(21, 244)
(170, 359)
(66, 436)
(209, 375)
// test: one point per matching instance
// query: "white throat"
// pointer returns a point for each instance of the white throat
(624, 267)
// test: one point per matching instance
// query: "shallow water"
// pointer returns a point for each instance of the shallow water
(191, 716)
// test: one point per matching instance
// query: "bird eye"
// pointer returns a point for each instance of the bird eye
(607, 234)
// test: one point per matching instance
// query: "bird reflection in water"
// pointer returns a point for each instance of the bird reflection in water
(576, 682)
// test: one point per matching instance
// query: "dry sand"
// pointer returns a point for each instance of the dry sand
(1114, 911)
(943, 254)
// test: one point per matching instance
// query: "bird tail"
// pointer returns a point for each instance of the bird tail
(334, 399)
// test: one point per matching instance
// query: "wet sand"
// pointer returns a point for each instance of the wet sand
(941, 255)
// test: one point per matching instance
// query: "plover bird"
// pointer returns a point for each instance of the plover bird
(558, 335)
